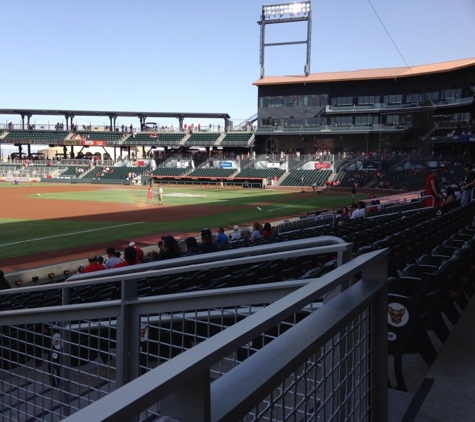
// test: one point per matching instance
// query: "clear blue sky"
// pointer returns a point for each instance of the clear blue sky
(197, 56)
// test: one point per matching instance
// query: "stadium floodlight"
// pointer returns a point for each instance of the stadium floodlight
(291, 9)
(285, 13)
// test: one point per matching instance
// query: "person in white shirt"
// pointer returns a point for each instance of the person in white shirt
(236, 234)
(359, 212)
(112, 259)
(160, 195)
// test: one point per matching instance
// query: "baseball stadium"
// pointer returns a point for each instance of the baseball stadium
(330, 270)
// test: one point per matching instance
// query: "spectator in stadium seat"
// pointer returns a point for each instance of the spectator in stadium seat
(373, 207)
(267, 231)
(469, 184)
(256, 232)
(432, 189)
(94, 265)
(345, 215)
(4, 284)
(112, 259)
(139, 251)
(450, 195)
(207, 245)
(236, 234)
(358, 210)
(130, 258)
(169, 249)
(221, 237)
(191, 246)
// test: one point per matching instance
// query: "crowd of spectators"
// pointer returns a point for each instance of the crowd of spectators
(170, 248)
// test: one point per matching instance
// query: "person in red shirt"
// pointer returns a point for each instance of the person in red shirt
(130, 258)
(94, 265)
(267, 232)
(432, 189)
(139, 252)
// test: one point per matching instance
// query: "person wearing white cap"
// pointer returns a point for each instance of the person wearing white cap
(139, 251)
(236, 234)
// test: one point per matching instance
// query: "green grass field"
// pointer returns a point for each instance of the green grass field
(25, 237)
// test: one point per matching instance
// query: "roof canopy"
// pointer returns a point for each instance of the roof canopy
(365, 74)
(139, 114)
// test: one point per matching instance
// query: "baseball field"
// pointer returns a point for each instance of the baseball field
(44, 222)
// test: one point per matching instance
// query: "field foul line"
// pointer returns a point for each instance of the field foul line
(281, 208)
(69, 234)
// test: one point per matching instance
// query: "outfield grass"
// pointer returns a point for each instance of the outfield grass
(26, 237)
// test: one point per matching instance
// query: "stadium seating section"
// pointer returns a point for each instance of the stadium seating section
(111, 138)
(237, 138)
(261, 173)
(309, 177)
(37, 136)
(154, 138)
(203, 138)
(170, 171)
(117, 173)
(212, 172)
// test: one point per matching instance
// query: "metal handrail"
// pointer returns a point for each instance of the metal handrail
(186, 376)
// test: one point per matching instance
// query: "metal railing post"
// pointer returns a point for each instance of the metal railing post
(128, 337)
(190, 402)
(377, 272)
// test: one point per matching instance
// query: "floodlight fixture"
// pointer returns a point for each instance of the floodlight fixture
(278, 11)
(286, 13)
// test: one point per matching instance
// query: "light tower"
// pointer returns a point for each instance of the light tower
(286, 13)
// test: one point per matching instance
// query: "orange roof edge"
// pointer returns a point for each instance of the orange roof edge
(364, 74)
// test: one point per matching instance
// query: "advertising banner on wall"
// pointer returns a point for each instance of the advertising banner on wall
(319, 166)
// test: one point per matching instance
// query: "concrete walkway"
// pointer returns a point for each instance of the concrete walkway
(447, 392)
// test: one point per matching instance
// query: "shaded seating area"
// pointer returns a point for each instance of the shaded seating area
(154, 138)
(348, 178)
(74, 171)
(404, 179)
(212, 172)
(170, 171)
(261, 173)
(203, 138)
(236, 138)
(309, 177)
(109, 137)
(117, 173)
(47, 136)
(427, 300)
